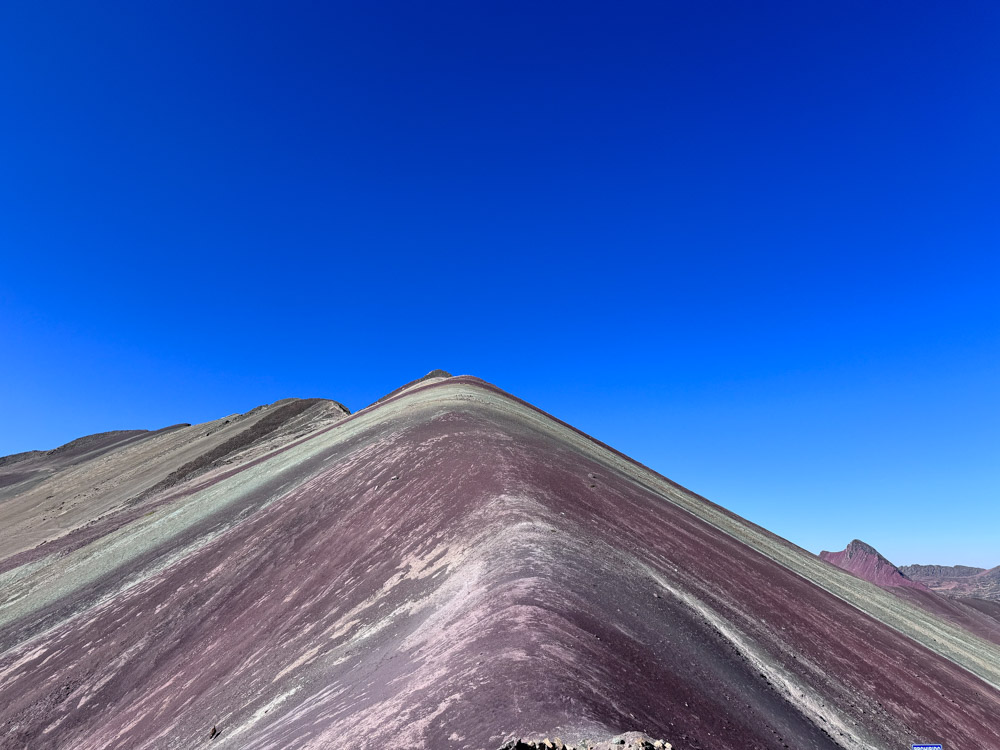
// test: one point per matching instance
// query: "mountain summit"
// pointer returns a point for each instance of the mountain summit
(958, 580)
(447, 568)
(865, 562)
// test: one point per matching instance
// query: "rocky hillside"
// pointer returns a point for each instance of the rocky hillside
(958, 580)
(448, 568)
(865, 562)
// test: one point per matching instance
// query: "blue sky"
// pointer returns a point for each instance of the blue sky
(753, 245)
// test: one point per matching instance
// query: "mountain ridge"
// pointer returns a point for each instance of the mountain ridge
(387, 577)
(866, 562)
(959, 581)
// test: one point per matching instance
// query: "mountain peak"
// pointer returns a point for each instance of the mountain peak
(857, 547)
(452, 569)
(866, 562)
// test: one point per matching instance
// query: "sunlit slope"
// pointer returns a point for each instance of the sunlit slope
(47, 495)
(452, 568)
(975, 615)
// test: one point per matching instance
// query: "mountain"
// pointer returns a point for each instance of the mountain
(46, 495)
(958, 580)
(865, 562)
(447, 568)
(942, 572)
(979, 617)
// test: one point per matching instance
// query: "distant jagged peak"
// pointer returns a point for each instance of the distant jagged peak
(857, 547)
(866, 562)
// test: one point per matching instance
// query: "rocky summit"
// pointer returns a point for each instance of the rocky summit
(864, 561)
(449, 567)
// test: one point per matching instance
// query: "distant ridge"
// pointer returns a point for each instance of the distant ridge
(76, 447)
(865, 562)
(941, 571)
(958, 580)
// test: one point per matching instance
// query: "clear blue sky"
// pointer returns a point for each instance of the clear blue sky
(754, 245)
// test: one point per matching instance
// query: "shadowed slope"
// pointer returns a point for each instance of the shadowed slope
(452, 568)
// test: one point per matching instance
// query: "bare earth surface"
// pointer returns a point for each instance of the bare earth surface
(865, 562)
(979, 616)
(448, 568)
(958, 580)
